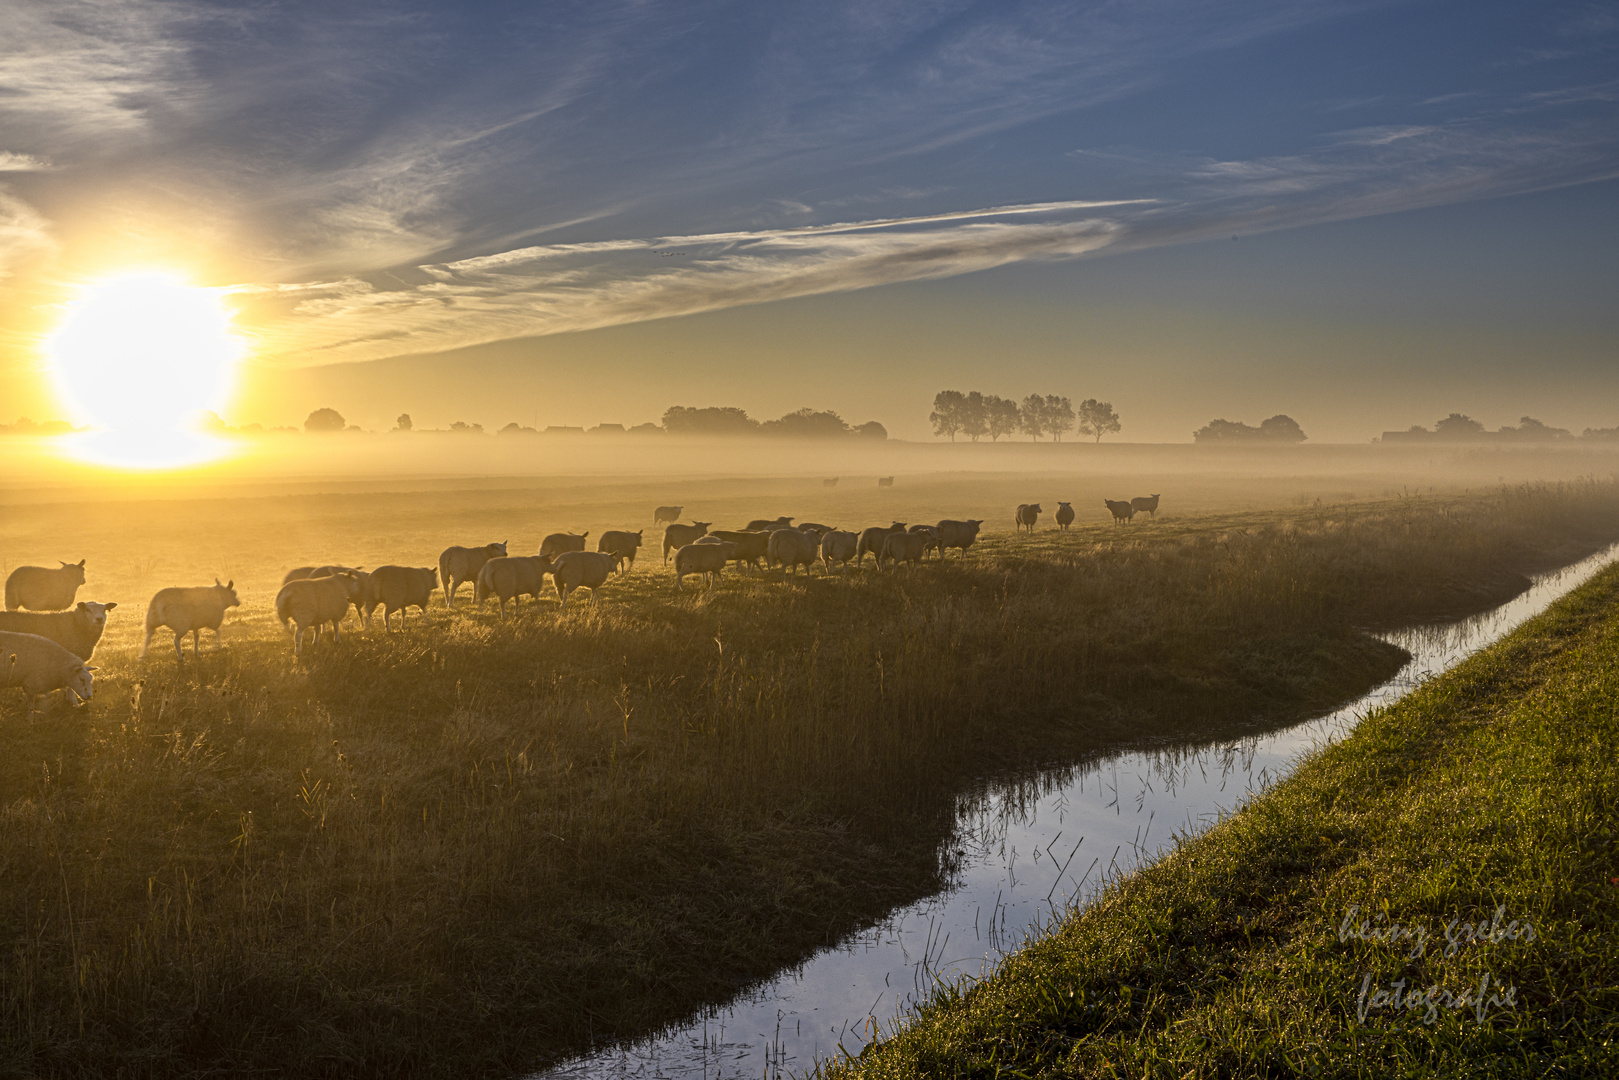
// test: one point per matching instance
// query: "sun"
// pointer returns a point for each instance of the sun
(140, 357)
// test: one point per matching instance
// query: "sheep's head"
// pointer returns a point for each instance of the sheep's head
(226, 593)
(95, 614)
(80, 683)
(75, 571)
(496, 550)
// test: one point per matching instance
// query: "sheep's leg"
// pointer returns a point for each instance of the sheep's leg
(337, 631)
(179, 650)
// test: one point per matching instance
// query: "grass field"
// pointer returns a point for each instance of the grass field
(478, 846)
(1437, 895)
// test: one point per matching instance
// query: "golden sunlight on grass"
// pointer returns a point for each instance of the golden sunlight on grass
(140, 356)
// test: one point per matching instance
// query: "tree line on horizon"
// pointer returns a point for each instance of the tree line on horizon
(976, 414)
(677, 420)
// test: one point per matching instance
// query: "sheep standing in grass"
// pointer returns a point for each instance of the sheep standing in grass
(902, 547)
(838, 547)
(791, 549)
(678, 536)
(78, 630)
(189, 611)
(1065, 515)
(621, 543)
(314, 602)
(703, 558)
(512, 577)
(769, 524)
(872, 540)
(582, 570)
(750, 547)
(40, 666)
(930, 538)
(396, 588)
(1121, 510)
(557, 543)
(958, 534)
(299, 573)
(1145, 504)
(1027, 515)
(458, 564)
(40, 589)
(666, 515)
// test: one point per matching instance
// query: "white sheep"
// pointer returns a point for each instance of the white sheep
(40, 666)
(189, 611)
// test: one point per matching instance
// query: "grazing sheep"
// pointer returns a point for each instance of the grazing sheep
(302, 572)
(189, 611)
(769, 524)
(511, 577)
(39, 589)
(930, 538)
(669, 514)
(314, 602)
(678, 536)
(830, 483)
(78, 630)
(1122, 511)
(1027, 515)
(707, 556)
(838, 547)
(458, 564)
(1147, 504)
(816, 527)
(557, 543)
(750, 546)
(792, 549)
(1065, 515)
(872, 540)
(885, 481)
(396, 588)
(39, 666)
(902, 547)
(621, 543)
(582, 570)
(958, 534)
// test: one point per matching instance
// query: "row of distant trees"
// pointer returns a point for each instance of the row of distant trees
(1461, 427)
(677, 420)
(1280, 428)
(976, 415)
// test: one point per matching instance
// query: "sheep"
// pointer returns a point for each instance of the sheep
(872, 540)
(830, 483)
(39, 589)
(458, 564)
(621, 543)
(557, 543)
(769, 524)
(885, 481)
(838, 547)
(302, 572)
(1065, 515)
(1147, 504)
(958, 534)
(663, 514)
(189, 611)
(39, 666)
(930, 538)
(511, 577)
(1122, 511)
(792, 549)
(678, 536)
(816, 527)
(707, 556)
(582, 570)
(902, 547)
(314, 602)
(396, 588)
(78, 630)
(1027, 515)
(750, 546)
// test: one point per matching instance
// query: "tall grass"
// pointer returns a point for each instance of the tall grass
(479, 846)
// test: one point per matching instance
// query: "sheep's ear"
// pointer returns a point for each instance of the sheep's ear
(110, 606)
(216, 581)
(231, 584)
(82, 606)
(89, 667)
(81, 564)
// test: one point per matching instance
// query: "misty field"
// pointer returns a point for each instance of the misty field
(478, 846)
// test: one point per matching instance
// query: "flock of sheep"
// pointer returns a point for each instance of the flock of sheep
(47, 646)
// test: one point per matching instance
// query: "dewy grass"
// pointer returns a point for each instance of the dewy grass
(480, 846)
(1437, 895)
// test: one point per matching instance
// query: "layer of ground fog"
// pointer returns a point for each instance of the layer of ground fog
(1438, 895)
(479, 846)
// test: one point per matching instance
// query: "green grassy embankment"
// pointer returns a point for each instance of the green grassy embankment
(1484, 804)
(479, 846)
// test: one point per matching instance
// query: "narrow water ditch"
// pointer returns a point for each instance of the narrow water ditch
(1027, 853)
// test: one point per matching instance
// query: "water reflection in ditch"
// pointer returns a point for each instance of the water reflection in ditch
(1026, 854)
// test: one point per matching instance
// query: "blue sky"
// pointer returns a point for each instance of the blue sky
(394, 179)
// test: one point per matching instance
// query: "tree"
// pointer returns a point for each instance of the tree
(680, 420)
(807, 424)
(323, 420)
(403, 423)
(461, 427)
(1059, 416)
(871, 429)
(946, 415)
(1000, 416)
(1097, 418)
(1032, 417)
(974, 421)
(1281, 428)
(1458, 426)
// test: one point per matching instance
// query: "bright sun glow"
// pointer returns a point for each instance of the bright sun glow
(141, 357)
